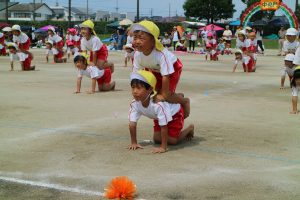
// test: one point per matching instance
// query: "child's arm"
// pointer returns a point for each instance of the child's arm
(93, 89)
(134, 145)
(78, 85)
(164, 140)
(234, 67)
(294, 105)
(11, 65)
(282, 82)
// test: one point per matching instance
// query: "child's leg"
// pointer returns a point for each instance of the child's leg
(108, 87)
(185, 134)
(185, 102)
(105, 83)
(126, 60)
(110, 65)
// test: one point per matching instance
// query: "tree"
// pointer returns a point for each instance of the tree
(259, 15)
(211, 10)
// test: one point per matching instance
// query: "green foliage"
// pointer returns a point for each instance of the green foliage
(211, 10)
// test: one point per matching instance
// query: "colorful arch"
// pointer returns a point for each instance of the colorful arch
(292, 18)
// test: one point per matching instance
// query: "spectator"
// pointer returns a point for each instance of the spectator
(192, 40)
(175, 37)
(259, 35)
(166, 41)
(121, 37)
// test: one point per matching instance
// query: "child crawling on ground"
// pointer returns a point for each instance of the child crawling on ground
(101, 76)
(168, 117)
(16, 55)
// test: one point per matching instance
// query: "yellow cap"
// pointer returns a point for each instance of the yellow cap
(149, 27)
(147, 77)
(297, 68)
(88, 24)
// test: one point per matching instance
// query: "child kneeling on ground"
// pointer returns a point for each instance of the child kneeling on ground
(288, 69)
(16, 55)
(58, 56)
(168, 117)
(102, 77)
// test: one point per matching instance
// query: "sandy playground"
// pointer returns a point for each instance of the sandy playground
(59, 145)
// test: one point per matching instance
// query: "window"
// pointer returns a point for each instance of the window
(22, 15)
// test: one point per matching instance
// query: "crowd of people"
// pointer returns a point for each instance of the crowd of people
(156, 69)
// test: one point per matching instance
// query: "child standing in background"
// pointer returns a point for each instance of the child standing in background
(129, 53)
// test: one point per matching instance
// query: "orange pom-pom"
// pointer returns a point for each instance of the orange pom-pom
(120, 188)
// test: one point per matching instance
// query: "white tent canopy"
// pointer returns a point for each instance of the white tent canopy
(198, 24)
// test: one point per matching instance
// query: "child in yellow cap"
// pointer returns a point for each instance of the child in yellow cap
(91, 43)
(166, 67)
(168, 118)
(295, 85)
(102, 77)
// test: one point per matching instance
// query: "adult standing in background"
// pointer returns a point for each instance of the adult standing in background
(121, 36)
(192, 40)
(259, 38)
(175, 37)
(227, 34)
(281, 35)
(204, 36)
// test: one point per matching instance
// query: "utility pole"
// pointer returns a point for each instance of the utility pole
(33, 10)
(151, 11)
(6, 10)
(169, 10)
(137, 10)
(69, 17)
(117, 6)
(87, 9)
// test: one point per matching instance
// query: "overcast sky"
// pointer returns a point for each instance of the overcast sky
(159, 7)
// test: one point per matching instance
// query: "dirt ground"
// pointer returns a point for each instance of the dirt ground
(59, 145)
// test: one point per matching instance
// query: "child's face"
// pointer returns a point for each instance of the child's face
(16, 33)
(238, 56)
(80, 65)
(209, 37)
(252, 37)
(48, 46)
(128, 50)
(289, 64)
(291, 38)
(139, 92)
(143, 41)
(50, 33)
(241, 37)
(85, 32)
(12, 50)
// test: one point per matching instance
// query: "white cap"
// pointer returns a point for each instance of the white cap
(291, 31)
(6, 29)
(129, 46)
(16, 28)
(51, 29)
(248, 28)
(243, 32)
(12, 44)
(289, 57)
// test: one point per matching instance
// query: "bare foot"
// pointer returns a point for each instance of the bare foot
(187, 108)
(190, 135)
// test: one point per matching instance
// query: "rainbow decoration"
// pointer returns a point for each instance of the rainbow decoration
(292, 18)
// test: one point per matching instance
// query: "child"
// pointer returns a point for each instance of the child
(211, 45)
(243, 44)
(58, 56)
(288, 69)
(168, 118)
(21, 39)
(102, 77)
(245, 60)
(57, 41)
(228, 50)
(295, 85)
(49, 45)
(73, 42)
(72, 49)
(98, 50)
(129, 55)
(290, 45)
(221, 47)
(180, 45)
(151, 55)
(24, 58)
(252, 49)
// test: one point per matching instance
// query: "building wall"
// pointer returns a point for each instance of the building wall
(43, 13)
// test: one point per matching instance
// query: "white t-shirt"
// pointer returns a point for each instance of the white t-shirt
(129, 55)
(258, 35)
(49, 52)
(212, 41)
(129, 39)
(204, 35)
(175, 36)
(245, 60)
(91, 72)
(157, 61)
(18, 57)
(252, 42)
(297, 57)
(55, 38)
(295, 91)
(240, 44)
(93, 44)
(162, 111)
(290, 47)
(22, 38)
(287, 71)
(75, 38)
(54, 51)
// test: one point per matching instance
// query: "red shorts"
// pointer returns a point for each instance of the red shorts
(175, 126)
(27, 63)
(250, 65)
(60, 44)
(25, 45)
(102, 54)
(3, 51)
(106, 78)
(174, 78)
(60, 54)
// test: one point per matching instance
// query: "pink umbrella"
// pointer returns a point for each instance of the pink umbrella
(209, 28)
(45, 28)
